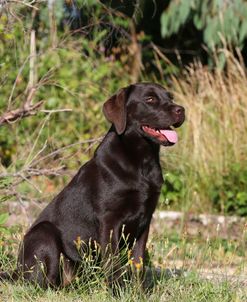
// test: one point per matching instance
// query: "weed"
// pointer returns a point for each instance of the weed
(213, 138)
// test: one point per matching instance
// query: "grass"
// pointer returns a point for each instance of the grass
(184, 268)
(216, 108)
(213, 139)
(183, 289)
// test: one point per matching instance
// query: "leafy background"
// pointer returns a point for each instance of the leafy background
(84, 52)
(66, 58)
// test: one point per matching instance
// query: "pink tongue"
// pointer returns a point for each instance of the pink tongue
(170, 135)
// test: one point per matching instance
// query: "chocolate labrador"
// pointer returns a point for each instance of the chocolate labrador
(115, 192)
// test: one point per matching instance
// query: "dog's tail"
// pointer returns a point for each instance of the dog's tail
(9, 276)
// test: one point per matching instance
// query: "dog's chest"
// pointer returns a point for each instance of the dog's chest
(139, 205)
(141, 191)
(151, 175)
(138, 210)
(138, 215)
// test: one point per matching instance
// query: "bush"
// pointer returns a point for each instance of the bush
(230, 196)
(73, 78)
(172, 191)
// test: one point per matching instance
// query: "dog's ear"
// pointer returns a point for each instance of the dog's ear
(114, 110)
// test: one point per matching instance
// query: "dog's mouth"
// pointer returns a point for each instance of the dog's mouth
(163, 135)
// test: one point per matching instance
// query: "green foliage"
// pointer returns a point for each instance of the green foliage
(221, 21)
(3, 219)
(4, 183)
(172, 192)
(76, 75)
(230, 196)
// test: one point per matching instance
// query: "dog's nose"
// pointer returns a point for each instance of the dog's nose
(179, 110)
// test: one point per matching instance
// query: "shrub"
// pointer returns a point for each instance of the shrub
(230, 196)
(172, 191)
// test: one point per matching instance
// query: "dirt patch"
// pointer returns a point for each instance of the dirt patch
(205, 225)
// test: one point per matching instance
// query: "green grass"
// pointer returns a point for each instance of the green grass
(204, 270)
(188, 289)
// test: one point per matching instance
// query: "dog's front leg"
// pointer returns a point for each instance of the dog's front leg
(111, 262)
(138, 253)
(137, 260)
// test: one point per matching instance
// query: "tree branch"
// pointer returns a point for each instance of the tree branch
(13, 115)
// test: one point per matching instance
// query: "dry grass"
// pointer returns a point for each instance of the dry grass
(214, 135)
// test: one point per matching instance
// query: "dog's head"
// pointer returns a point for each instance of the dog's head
(148, 109)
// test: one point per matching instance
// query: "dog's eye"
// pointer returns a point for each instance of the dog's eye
(150, 99)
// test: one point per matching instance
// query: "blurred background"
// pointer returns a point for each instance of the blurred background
(60, 60)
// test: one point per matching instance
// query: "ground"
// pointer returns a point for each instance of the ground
(192, 258)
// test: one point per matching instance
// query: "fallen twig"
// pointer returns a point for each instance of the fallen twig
(13, 115)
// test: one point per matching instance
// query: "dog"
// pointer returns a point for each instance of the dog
(113, 193)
